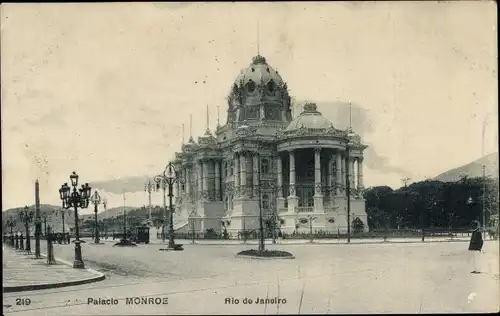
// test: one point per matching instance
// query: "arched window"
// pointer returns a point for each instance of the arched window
(265, 201)
(264, 166)
(271, 86)
(251, 86)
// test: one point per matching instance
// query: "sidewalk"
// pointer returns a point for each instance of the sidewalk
(22, 272)
(339, 241)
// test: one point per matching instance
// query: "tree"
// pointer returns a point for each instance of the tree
(377, 204)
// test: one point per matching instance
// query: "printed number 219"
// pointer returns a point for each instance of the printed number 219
(23, 301)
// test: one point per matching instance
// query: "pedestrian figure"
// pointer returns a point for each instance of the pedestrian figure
(475, 247)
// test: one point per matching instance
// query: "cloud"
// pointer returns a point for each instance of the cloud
(123, 185)
(362, 124)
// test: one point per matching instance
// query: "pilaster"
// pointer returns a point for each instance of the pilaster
(280, 176)
(255, 174)
(318, 196)
(360, 174)
(236, 175)
(293, 200)
(217, 180)
(243, 175)
(338, 170)
(206, 188)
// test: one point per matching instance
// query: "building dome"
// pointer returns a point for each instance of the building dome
(310, 118)
(258, 72)
(259, 94)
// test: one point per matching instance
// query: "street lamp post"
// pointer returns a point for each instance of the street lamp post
(311, 219)
(484, 201)
(44, 216)
(105, 204)
(124, 224)
(149, 187)
(167, 179)
(63, 214)
(274, 208)
(75, 198)
(96, 200)
(192, 231)
(27, 217)
(162, 184)
(261, 225)
(348, 184)
(11, 222)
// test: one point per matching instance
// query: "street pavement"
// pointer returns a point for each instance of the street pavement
(23, 271)
(324, 278)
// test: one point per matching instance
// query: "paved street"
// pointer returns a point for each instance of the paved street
(358, 278)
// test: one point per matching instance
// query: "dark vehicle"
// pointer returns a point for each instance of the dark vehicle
(142, 234)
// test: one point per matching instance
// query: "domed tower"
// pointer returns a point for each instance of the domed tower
(259, 94)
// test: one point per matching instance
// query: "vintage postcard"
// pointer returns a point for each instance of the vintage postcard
(210, 158)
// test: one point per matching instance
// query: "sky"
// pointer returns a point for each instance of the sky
(103, 88)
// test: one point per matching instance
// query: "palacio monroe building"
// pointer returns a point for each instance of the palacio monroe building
(295, 168)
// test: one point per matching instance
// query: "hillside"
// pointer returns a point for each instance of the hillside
(51, 213)
(114, 212)
(473, 169)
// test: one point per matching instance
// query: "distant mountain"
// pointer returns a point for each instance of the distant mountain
(54, 217)
(473, 169)
(114, 212)
(50, 212)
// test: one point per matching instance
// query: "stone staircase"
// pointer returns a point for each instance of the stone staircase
(181, 225)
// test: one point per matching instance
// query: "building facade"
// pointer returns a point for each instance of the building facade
(294, 170)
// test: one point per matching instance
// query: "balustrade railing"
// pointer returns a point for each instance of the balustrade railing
(303, 209)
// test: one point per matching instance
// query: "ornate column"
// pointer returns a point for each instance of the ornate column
(292, 198)
(352, 173)
(318, 196)
(243, 174)
(360, 174)
(206, 188)
(217, 180)
(177, 194)
(255, 174)
(236, 175)
(344, 172)
(317, 171)
(292, 174)
(199, 171)
(188, 183)
(280, 202)
(339, 173)
(329, 176)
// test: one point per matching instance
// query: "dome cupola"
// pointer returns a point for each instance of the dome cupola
(259, 93)
(310, 118)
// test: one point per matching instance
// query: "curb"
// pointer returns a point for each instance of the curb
(21, 288)
(263, 258)
(333, 243)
